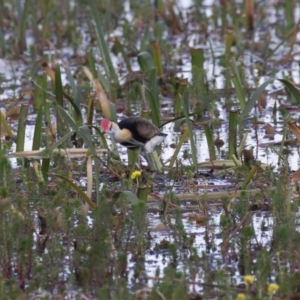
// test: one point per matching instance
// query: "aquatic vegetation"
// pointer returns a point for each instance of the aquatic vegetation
(217, 218)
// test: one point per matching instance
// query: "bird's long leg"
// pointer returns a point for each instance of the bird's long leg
(148, 159)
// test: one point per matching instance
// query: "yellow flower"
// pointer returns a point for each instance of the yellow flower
(136, 174)
(240, 296)
(249, 279)
(273, 287)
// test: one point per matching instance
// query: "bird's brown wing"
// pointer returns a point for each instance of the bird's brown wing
(146, 129)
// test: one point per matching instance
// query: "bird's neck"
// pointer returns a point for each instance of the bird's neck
(121, 135)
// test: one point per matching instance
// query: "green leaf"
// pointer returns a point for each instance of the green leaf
(71, 81)
(58, 86)
(293, 89)
(236, 80)
(77, 111)
(45, 168)
(21, 128)
(106, 59)
(59, 142)
(38, 130)
(77, 189)
(85, 135)
(125, 194)
(153, 98)
(5, 125)
(251, 103)
(2, 43)
(210, 142)
(185, 106)
(145, 61)
(182, 139)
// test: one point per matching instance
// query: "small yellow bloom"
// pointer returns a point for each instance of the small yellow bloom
(136, 174)
(240, 296)
(249, 279)
(273, 287)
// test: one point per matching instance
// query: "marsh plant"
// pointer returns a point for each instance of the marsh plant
(81, 218)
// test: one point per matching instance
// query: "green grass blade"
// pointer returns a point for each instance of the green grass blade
(5, 125)
(84, 133)
(59, 99)
(2, 43)
(236, 80)
(92, 67)
(145, 61)
(106, 59)
(242, 144)
(197, 56)
(121, 49)
(249, 176)
(71, 82)
(182, 139)
(180, 88)
(254, 98)
(37, 136)
(210, 142)
(59, 142)
(59, 94)
(232, 137)
(228, 44)
(20, 140)
(76, 110)
(77, 189)
(157, 58)
(92, 63)
(39, 93)
(289, 14)
(45, 168)
(147, 64)
(23, 19)
(185, 106)
(79, 97)
(292, 89)
(153, 98)
(90, 111)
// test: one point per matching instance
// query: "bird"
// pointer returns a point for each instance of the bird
(135, 133)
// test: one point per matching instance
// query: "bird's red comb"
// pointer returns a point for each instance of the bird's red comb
(105, 124)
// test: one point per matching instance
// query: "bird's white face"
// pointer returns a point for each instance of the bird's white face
(108, 126)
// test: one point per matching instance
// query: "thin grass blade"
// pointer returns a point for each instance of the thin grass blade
(182, 139)
(210, 141)
(5, 126)
(37, 136)
(105, 105)
(145, 61)
(254, 98)
(249, 176)
(106, 59)
(23, 19)
(185, 106)
(20, 140)
(157, 58)
(236, 80)
(77, 189)
(232, 137)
